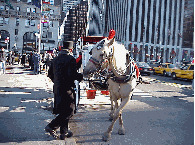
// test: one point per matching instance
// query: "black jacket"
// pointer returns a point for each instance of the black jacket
(63, 72)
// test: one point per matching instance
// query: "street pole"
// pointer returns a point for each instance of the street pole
(40, 30)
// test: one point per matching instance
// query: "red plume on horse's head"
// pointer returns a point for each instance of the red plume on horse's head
(111, 34)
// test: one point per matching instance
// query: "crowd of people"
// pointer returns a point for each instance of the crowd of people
(33, 60)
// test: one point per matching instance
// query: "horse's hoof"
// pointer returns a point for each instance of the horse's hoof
(121, 131)
(110, 118)
(106, 137)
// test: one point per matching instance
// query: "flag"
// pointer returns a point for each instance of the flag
(37, 3)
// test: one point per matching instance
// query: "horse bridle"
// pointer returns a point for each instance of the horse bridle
(99, 64)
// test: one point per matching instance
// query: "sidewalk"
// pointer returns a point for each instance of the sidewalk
(26, 108)
(26, 102)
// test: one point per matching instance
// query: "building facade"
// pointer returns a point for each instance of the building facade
(150, 29)
(21, 23)
(96, 18)
(75, 22)
(188, 31)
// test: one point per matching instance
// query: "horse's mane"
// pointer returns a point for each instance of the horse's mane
(119, 56)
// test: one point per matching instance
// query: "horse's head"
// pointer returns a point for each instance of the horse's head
(100, 53)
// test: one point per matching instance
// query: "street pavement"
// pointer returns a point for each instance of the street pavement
(26, 108)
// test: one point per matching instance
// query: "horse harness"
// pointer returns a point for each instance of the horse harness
(108, 59)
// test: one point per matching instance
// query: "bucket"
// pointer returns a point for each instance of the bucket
(91, 94)
(106, 92)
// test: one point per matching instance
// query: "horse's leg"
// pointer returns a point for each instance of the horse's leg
(112, 108)
(107, 134)
(121, 130)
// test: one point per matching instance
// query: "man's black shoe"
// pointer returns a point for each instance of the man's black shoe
(52, 132)
(68, 134)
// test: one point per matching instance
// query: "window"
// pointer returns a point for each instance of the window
(6, 20)
(6, 8)
(51, 11)
(33, 10)
(50, 24)
(18, 8)
(1, 20)
(191, 67)
(44, 34)
(18, 0)
(2, 7)
(27, 22)
(16, 31)
(49, 34)
(32, 23)
(17, 21)
(28, 1)
(45, 25)
(28, 10)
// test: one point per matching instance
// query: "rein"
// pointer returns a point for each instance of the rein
(116, 76)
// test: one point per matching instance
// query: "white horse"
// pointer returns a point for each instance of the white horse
(121, 83)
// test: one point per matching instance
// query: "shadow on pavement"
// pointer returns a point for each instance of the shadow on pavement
(24, 113)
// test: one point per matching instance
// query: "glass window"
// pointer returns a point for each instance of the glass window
(50, 23)
(6, 20)
(33, 10)
(44, 34)
(191, 67)
(2, 7)
(28, 1)
(18, 0)
(49, 34)
(28, 10)
(27, 22)
(17, 21)
(1, 20)
(163, 65)
(51, 11)
(172, 66)
(32, 23)
(7, 8)
(16, 31)
(45, 24)
(18, 8)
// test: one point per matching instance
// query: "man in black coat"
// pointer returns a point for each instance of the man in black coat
(63, 72)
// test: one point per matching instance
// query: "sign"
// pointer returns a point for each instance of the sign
(45, 18)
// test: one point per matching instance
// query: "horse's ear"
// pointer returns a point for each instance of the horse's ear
(111, 41)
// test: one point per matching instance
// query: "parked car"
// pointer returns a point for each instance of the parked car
(144, 68)
(164, 69)
(185, 72)
(153, 63)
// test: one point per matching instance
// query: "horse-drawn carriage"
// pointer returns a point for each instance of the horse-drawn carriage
(98, 81)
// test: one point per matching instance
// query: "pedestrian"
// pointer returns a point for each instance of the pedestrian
(13, 58)
(63, 72)
(36, 60)
(3, 59)
(23, 59)
(48, 61)
(10, 58)
(19, 58)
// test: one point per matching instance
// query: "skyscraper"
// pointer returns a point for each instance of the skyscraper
(150, 29)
